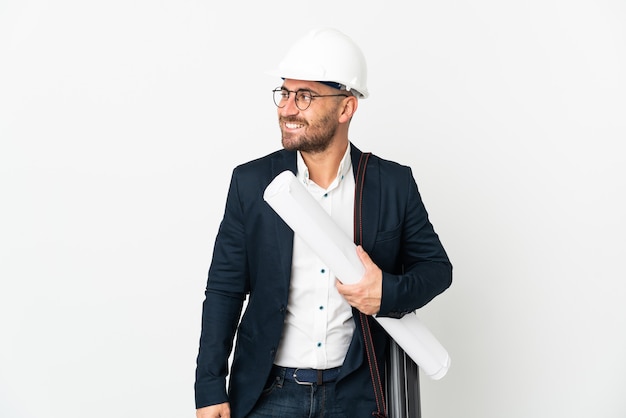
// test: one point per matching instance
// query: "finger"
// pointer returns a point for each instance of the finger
(341, 288)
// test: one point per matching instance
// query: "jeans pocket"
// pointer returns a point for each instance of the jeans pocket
(270, 385)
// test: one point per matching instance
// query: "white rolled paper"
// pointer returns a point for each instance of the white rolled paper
(293, 203)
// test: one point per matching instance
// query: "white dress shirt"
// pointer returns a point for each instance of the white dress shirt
(318, 324)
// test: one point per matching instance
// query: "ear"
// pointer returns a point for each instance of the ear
(350, 104)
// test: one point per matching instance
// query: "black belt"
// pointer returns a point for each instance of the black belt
(308, 376)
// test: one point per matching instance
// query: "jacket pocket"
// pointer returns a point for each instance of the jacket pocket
(391, 234)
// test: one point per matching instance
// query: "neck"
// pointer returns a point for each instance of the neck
(323, 165)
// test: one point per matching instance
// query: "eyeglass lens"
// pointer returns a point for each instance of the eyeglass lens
(303, 98)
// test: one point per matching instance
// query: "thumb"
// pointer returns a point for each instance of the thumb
(363, 256)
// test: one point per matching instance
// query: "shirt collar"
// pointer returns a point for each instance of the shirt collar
(344, 168)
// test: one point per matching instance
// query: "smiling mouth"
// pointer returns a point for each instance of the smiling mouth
(293, 125)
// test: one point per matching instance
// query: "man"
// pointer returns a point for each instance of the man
(297, 352)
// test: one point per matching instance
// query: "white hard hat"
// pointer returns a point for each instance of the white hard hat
(326, 55)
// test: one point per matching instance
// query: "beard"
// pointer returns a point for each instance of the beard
(317, 137)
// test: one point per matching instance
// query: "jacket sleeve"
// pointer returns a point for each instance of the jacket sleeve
(225, 293)
(422, 268)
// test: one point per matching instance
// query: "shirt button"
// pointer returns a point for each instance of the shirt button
(321, 308)
(319, 344)
(323, 271)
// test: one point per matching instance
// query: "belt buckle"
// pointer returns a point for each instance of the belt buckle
(295, 378)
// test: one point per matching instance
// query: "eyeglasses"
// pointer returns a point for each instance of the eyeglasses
(303, 97)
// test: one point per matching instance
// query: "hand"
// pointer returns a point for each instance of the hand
(367, 293)
(221, 410)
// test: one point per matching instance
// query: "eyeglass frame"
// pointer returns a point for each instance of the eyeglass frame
(296, 92)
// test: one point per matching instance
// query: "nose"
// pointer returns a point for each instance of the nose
(290, 107)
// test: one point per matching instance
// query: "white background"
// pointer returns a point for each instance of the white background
(120, 122)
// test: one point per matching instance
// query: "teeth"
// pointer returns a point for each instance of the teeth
(293, 125)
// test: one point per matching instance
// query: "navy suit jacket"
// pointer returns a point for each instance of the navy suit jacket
(252, 257)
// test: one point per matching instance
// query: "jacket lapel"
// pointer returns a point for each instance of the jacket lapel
(284, 160)
(370, 210)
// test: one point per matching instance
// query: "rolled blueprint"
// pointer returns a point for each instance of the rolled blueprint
(293, 203)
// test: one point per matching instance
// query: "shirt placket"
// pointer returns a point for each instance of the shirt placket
(322, 293)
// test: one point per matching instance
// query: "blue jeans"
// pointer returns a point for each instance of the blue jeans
(286, 399)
